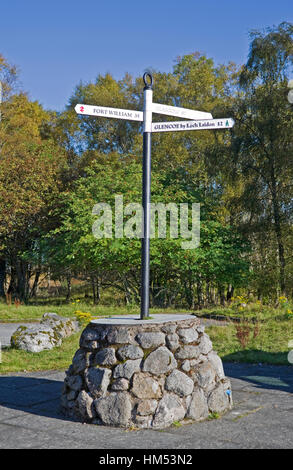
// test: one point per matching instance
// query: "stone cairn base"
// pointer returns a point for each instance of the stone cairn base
(145, 374)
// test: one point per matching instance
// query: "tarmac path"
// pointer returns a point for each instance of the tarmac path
(262, 416)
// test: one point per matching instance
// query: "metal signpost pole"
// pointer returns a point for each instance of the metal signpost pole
(146, 195)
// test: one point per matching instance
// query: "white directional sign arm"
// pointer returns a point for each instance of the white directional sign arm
(102, 111)
(223, 123)
(200, 120)
(180, 112)
(117, 113)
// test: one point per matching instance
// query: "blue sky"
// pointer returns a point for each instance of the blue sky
(56, 44)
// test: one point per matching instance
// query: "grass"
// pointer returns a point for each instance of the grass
(270, 346)
(31, 312)
(247, 413)
(58, 358)
(251, 312)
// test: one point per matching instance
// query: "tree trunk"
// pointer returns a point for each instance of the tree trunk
(199, 294)
(230, 292)
(68, 293)
(278, 231)
(213, 296)
(192, 301)
(95, 289)
(189, 296)
(127, 293)
(259, 295)
(12, 283)
(98, 290)
(35, 284)
(208, 294)
(2, 277)
(222, 295)
(22, 287)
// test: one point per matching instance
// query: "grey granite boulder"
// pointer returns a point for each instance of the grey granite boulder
(145, 386)
(187, 335)
(220, 398)
(146, 407)
(45, 335)
(205, 376)
(205, 344)
(97, 380)
(198, 407)
(217, 364)
(115, 409)
(150, 340)
(80, 361)
(127, 369)
(65, 326)
(186, 366)
(172, 341)
(105, 357)
(74, 382)
(160, 361)
(130, 351)
(169, 409)
(85, 406)
(187, 352)
(35, 338)
(119, 336)
(120, 385)
(179, 383)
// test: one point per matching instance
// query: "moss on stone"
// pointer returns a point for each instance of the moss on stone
(147, 352)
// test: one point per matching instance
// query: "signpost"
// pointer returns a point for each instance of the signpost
(198, 121)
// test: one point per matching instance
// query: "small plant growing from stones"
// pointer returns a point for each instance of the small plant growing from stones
(176, 424)
(214, 415)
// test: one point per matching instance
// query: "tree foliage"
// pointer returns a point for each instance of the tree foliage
(56, 166)
(29, 186)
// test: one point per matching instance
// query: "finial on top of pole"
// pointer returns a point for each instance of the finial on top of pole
(148, 80)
